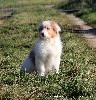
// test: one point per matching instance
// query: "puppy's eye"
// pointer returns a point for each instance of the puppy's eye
(48, 28)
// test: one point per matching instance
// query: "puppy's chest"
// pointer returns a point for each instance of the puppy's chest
(45, 48)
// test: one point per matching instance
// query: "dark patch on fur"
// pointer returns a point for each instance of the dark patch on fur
(40, 28)
(32, 56)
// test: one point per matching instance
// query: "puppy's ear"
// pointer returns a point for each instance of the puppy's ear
(55, 27)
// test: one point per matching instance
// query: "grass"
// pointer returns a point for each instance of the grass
(77, 77)
(88, 15)
(87, 12)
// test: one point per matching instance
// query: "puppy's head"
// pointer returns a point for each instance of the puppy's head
(48, 29)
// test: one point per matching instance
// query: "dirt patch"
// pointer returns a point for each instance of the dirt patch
(7, 9)
(1, 22)
(90, 39)
(77, 21)
(87, 32)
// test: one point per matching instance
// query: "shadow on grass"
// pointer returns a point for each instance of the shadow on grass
(89, 31)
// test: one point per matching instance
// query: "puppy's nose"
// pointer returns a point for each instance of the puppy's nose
(42, 34)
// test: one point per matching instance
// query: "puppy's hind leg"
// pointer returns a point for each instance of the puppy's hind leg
(27, 66)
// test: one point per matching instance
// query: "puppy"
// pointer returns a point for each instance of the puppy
(46, 53)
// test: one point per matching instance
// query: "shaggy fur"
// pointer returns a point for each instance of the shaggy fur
(46, 53)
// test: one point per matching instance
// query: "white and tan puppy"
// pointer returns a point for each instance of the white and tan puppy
(46, 53)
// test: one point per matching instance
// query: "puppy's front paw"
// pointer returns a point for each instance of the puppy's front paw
(41, 74)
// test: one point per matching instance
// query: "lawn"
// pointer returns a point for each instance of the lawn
(77, 76)
(89, 16)
(87, 12)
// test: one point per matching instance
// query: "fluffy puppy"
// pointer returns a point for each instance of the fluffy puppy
(46, 53)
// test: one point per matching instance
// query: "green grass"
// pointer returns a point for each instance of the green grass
(88, 15)
(12, 3)
(87, 12)
(77, 77)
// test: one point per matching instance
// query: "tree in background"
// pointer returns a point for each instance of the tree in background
(91, 2)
